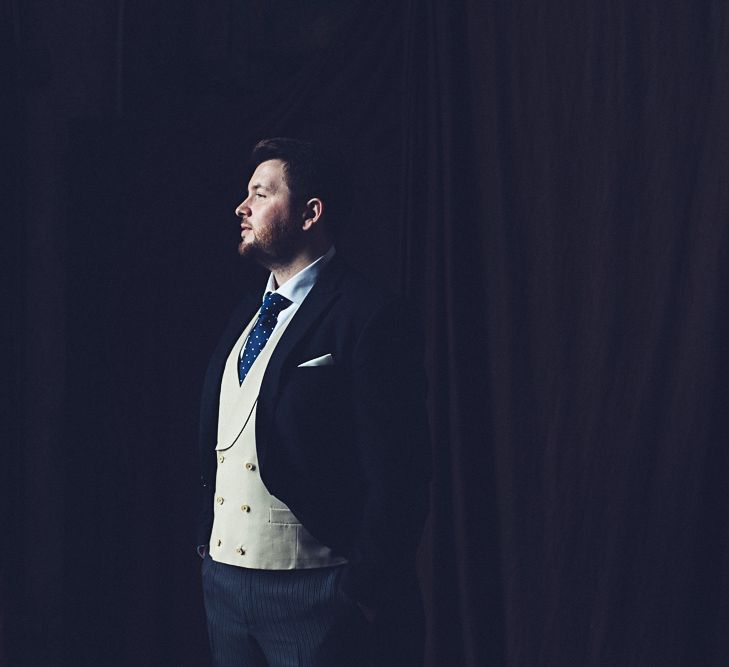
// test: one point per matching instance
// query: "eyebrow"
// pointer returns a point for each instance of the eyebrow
(260, 186)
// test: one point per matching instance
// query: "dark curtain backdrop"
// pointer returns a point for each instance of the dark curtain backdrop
(547, 180)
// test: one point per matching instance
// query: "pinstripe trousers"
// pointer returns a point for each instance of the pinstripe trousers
(282, 618)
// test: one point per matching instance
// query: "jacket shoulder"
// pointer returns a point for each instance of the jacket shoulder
(364, 294)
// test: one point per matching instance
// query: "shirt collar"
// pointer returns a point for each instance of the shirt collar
(298, 286)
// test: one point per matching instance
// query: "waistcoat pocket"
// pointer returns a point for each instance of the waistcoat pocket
(282, 516)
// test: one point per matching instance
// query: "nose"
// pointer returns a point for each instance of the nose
(243, 210)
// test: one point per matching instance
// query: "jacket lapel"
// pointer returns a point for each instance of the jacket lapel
(213, 376)
(238, 322)
(322, 295)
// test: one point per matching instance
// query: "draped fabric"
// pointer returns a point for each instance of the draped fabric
(547, 180)
(574, 181)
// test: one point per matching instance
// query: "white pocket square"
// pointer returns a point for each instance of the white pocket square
(326, 360)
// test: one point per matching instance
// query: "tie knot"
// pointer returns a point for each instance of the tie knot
(273, 304)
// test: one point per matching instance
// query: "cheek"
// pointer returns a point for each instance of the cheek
(277, 222)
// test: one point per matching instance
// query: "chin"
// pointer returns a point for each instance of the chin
(252, 253)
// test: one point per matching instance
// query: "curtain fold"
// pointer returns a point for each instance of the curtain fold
(571, 176)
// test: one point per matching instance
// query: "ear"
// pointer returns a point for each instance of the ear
(312, 213)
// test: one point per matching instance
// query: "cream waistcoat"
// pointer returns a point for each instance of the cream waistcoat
(252, 528)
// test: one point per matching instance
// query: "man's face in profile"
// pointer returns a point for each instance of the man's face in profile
(270, 230)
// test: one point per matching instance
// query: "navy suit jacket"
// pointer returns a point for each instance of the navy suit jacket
(345, 446)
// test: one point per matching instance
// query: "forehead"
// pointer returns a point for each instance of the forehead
(269, 174)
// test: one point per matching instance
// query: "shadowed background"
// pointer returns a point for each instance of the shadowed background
(547, 180)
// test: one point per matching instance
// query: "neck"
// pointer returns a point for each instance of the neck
(285, 271)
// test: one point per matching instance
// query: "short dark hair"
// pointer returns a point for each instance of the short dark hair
(311, 170)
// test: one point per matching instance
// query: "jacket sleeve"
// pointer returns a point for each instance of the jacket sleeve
(393, 444)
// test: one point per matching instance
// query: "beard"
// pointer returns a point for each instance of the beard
(272, 246)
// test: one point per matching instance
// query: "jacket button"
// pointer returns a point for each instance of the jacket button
(250, 466)
(246, 508)
(219, 500)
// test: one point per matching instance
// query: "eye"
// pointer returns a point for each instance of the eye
(258, 194)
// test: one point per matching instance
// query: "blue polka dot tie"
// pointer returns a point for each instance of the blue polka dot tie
(273, 304)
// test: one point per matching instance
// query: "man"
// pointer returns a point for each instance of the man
(314, 443)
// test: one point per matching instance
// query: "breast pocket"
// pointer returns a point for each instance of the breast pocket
(326, 382)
